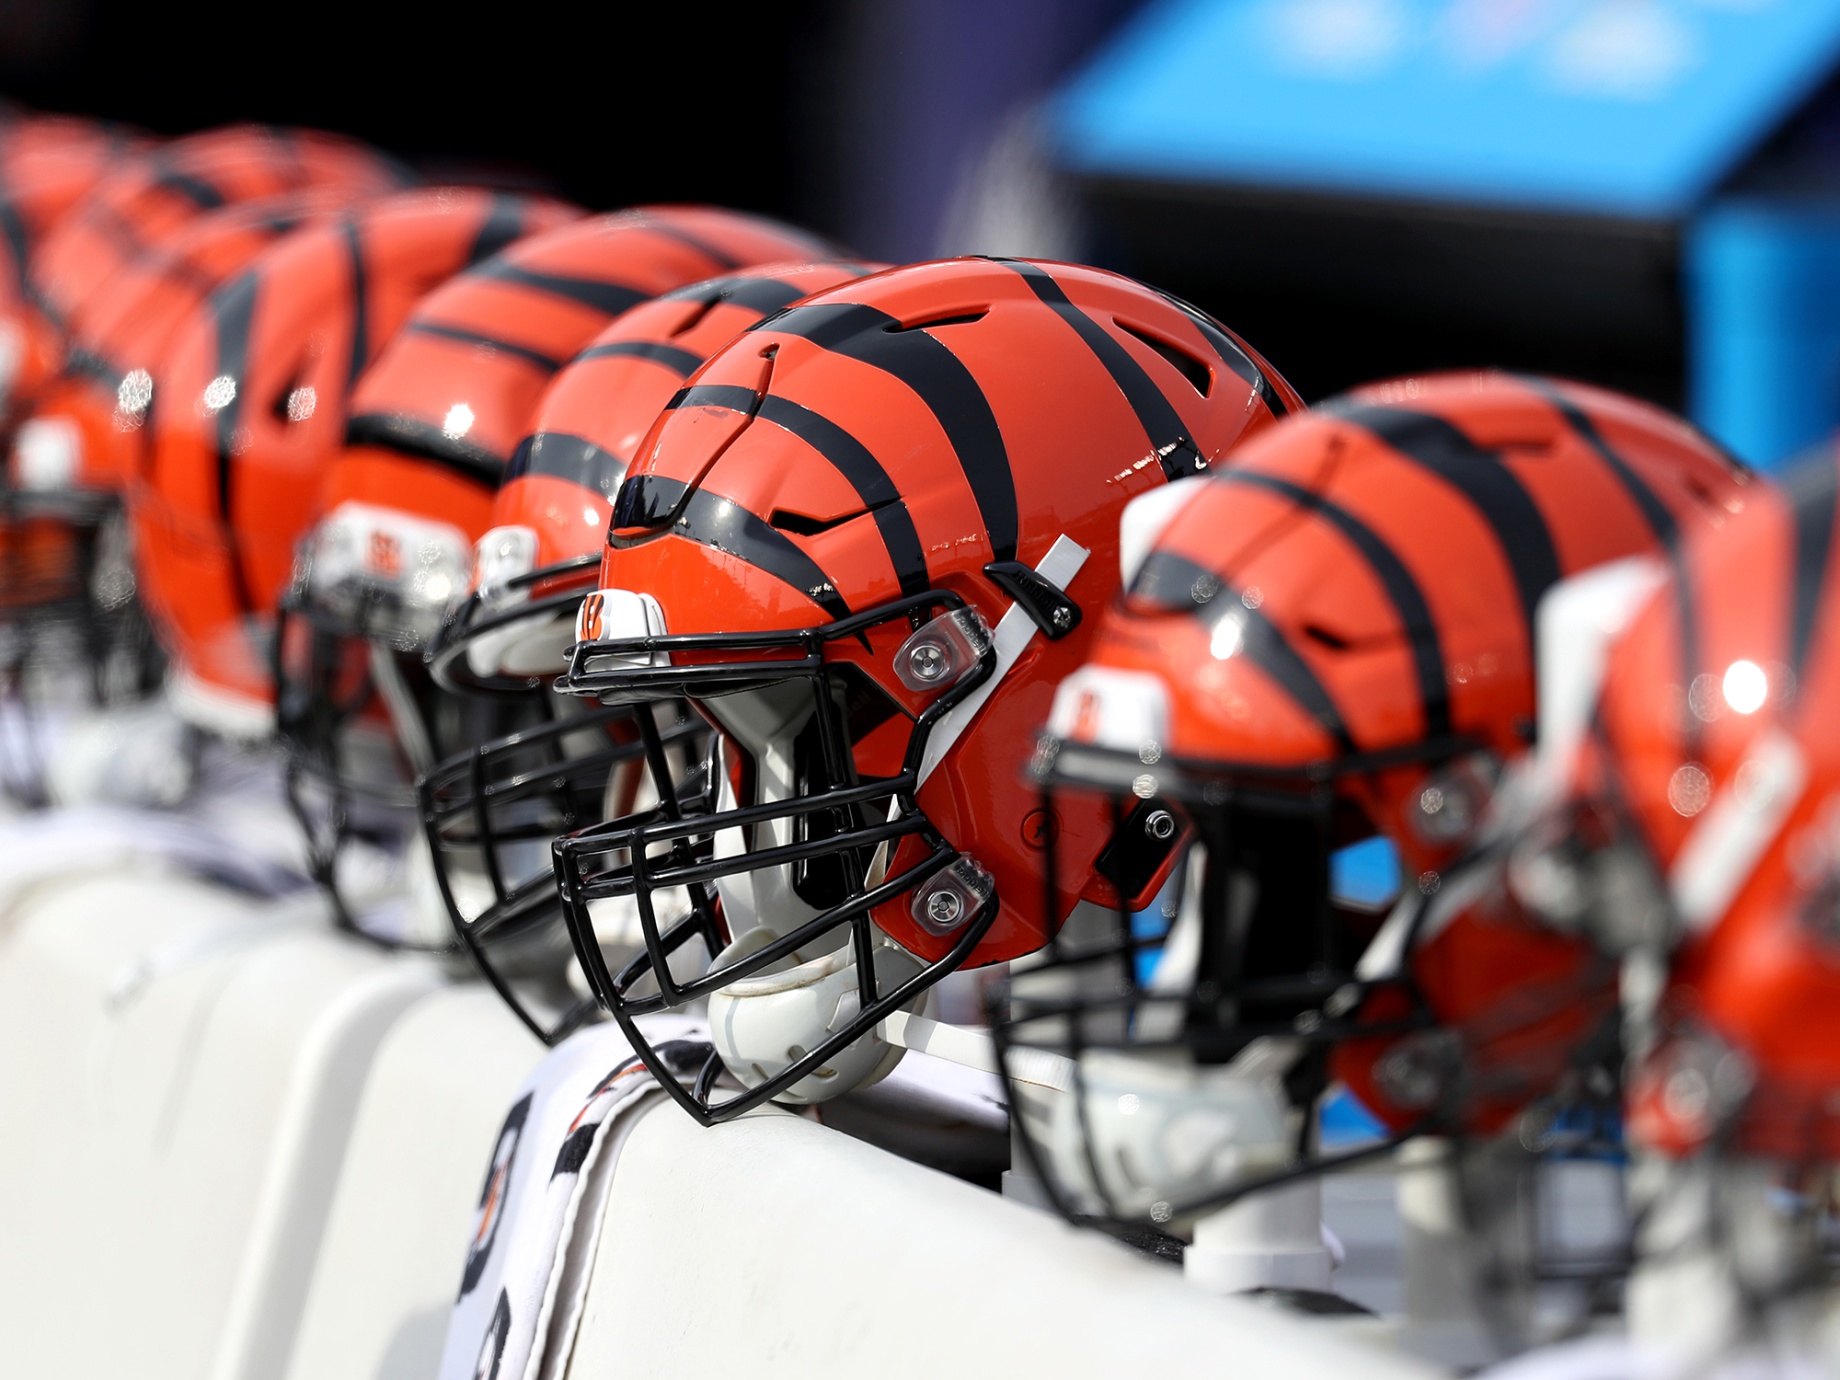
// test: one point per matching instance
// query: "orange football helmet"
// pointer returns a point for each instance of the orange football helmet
(253, 401)
(433, 423)
(154, 193)
(1329, 640)
(47, 164)
(1702, 826)
(489, 818)
(83, 444)
(860, 542)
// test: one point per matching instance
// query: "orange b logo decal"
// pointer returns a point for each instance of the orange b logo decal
(384, 555)
(588, 622)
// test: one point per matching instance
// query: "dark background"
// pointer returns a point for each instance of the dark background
(855, 116)
(865, 119)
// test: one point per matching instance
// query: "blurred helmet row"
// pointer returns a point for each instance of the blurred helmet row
(663, 610)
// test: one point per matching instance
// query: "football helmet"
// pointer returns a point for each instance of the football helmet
(860, 542)
(47, 164)
(78, 614)
(1701, 827)
(433, 424)
(1327, 642)
(1694, 838)
(492, 810)
(253, 400)
(85, 438)
(151, 195)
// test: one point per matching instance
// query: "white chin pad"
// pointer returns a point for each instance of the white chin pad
(528, 647)
(763, 1024)
(1163, 1130)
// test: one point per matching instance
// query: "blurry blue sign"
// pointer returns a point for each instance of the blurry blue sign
(1622, 107)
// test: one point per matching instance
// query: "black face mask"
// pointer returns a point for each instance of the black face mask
(824, 837)
(491, 814)
(1248, 952)
(360, 721)
(71, 623)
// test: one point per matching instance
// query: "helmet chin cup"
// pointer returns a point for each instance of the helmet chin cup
(534, 646)
(1140, 1135)
(763, 1024)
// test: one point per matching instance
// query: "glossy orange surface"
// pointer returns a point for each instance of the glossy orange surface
(254, 396)
(1363, 578)
(896, 434)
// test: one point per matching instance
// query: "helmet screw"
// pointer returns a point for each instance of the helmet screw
(1160, 825)
(1062, 617)
(943, 907)
(928, 661)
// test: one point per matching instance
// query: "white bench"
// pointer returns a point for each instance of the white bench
(179, 1072)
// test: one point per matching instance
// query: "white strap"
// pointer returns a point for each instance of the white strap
(1014, 633)
(1736, 829)
(958, 1044)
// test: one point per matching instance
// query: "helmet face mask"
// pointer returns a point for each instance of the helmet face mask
(69, 621)
(354, 705)
(1224, 980)
(490, 812)
(489, 816)
(789, 851)
(855, 543)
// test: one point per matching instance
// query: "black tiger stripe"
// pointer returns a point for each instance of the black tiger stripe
(360, 302)
(425, 441)
(1402, 590)
(502, 227)
(1178, 584)
(87, 364)
(559, 455)
(720, 258)
(289, 148)
(756, 294)
(460, 335)
(1655, 513)
(1436, 445)
(1811, 487)
(610, 299)
(1162, 424)
(18, 239)
(940, 379)
(854, 461)
(683, 362)
(107, 224)
(282, 222)
(232, 310)
(730, 395)
(194, 189)
(1232, 355)
(717, 523)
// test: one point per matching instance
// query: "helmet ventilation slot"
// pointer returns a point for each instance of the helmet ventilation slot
(804, 525)
(700, 308)
(1195, 370)
(957, 318)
